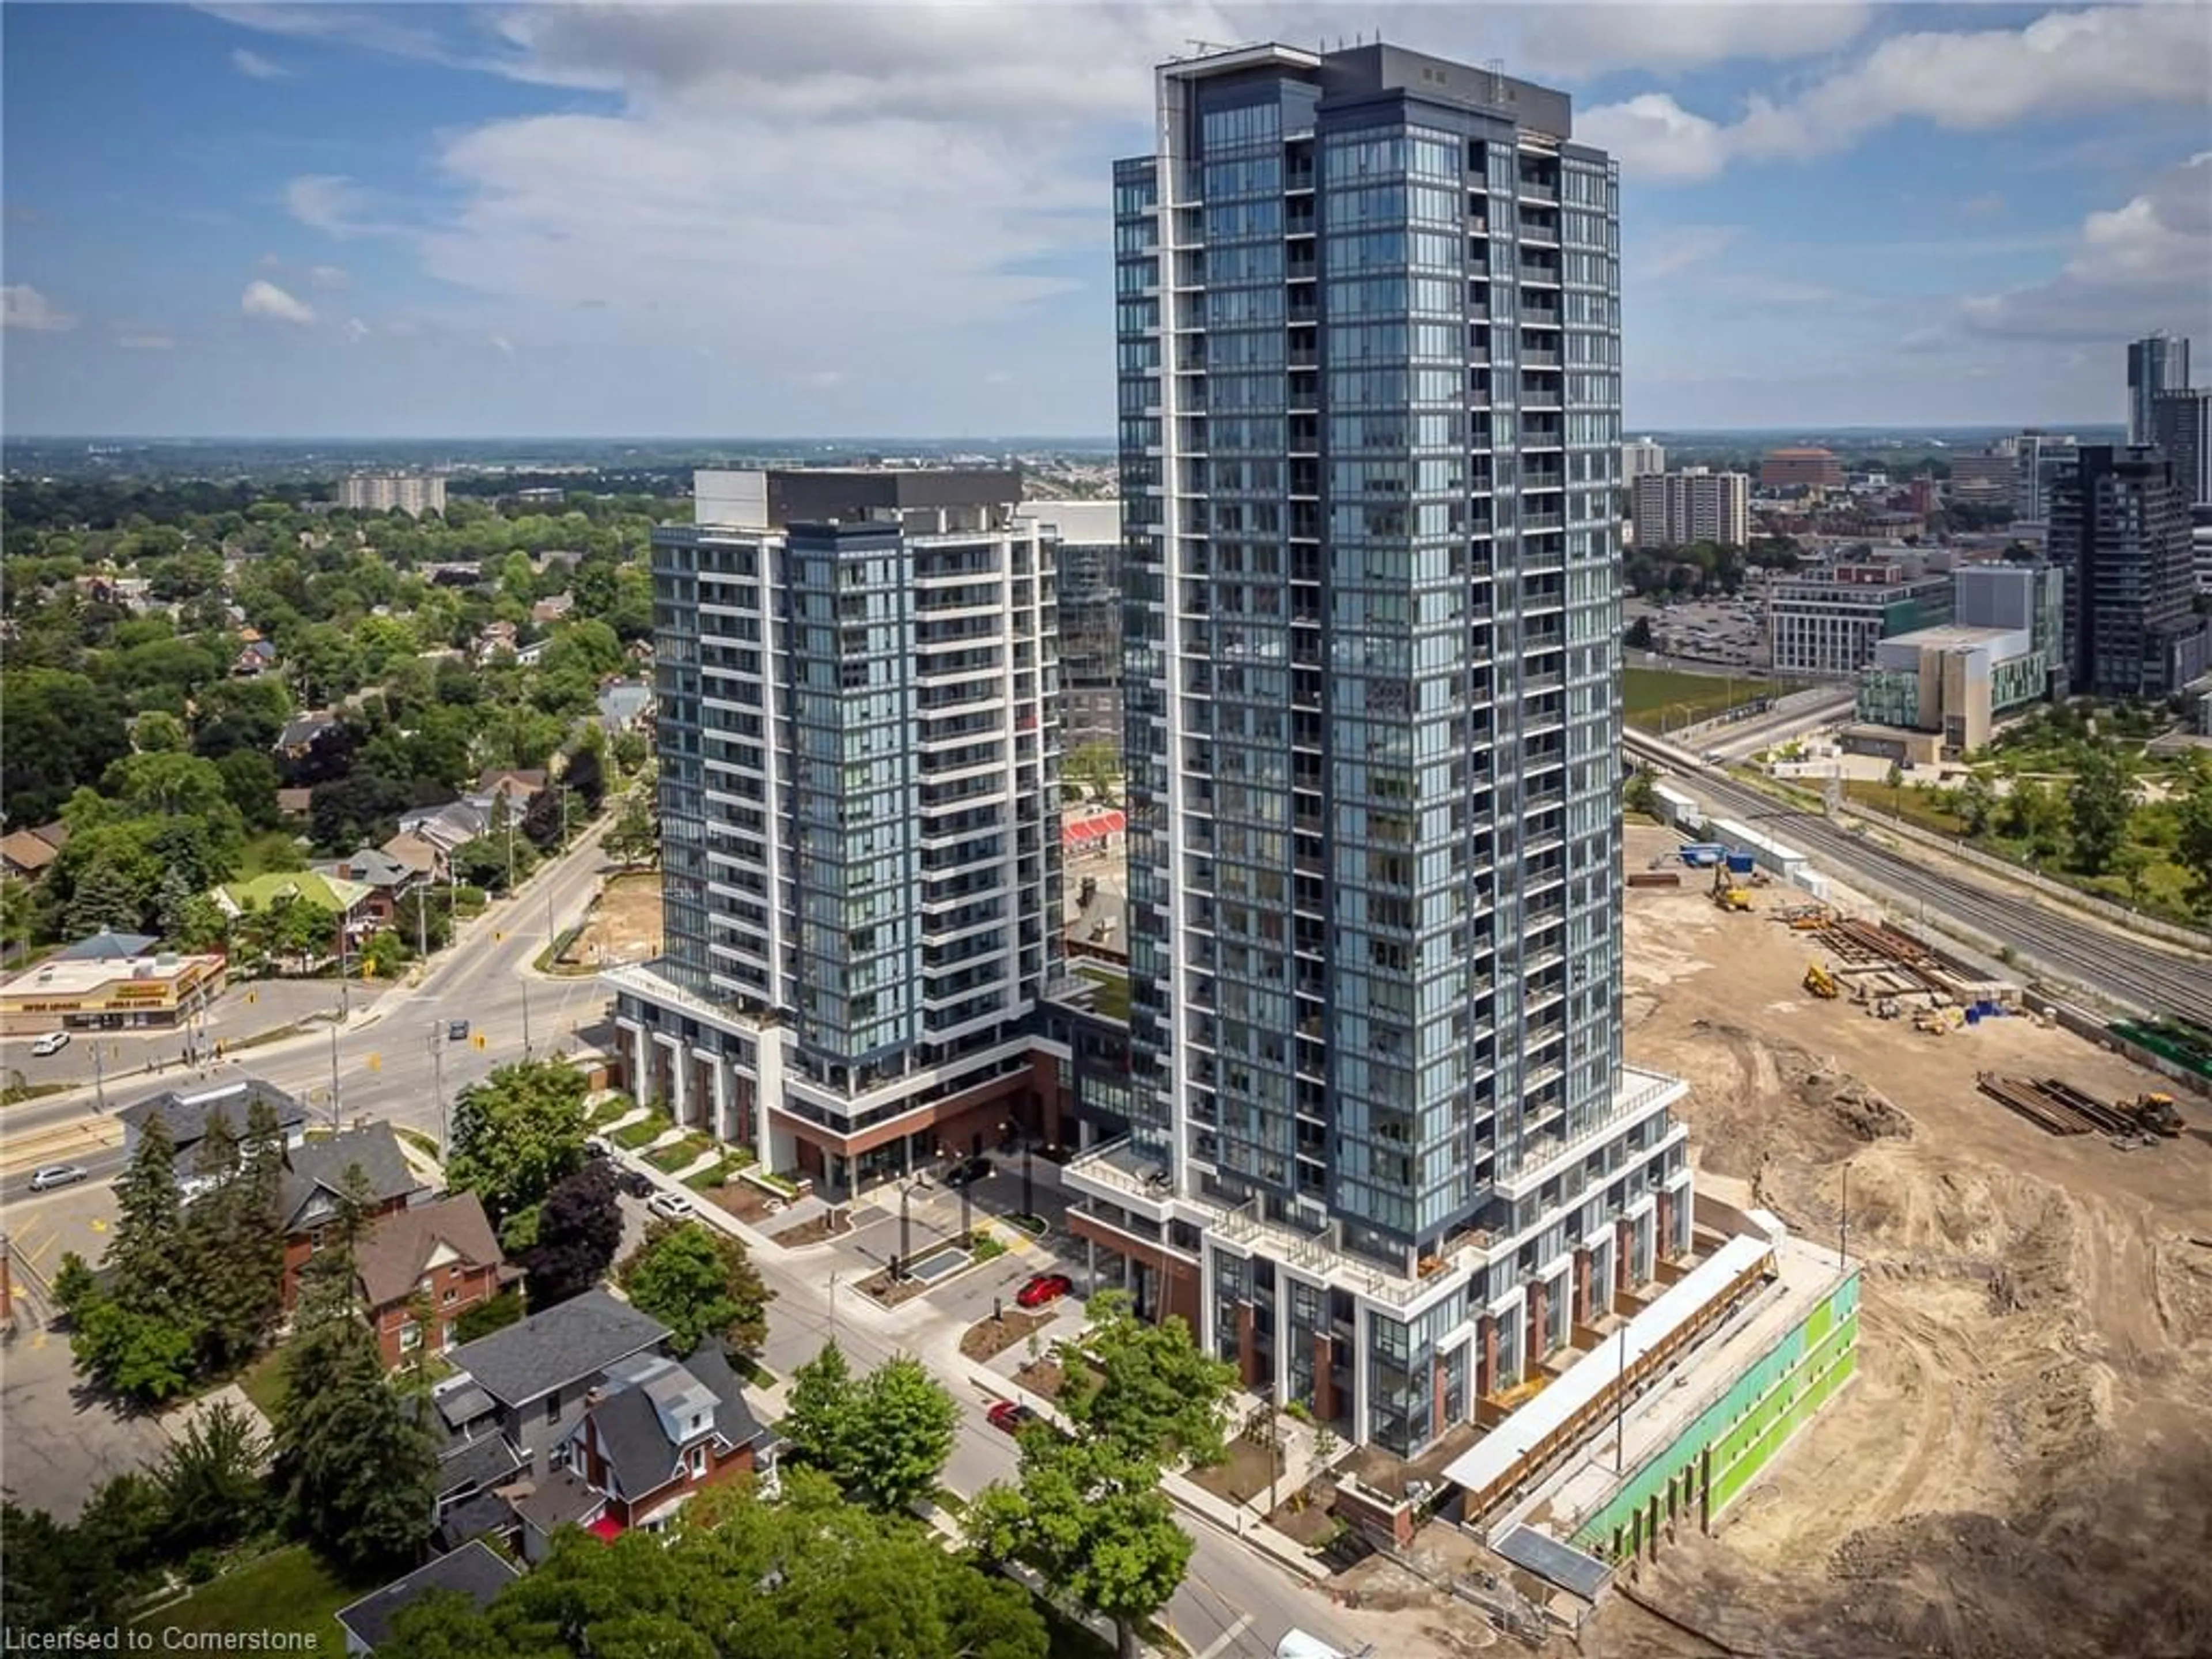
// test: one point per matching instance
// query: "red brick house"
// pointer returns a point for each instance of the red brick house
(656, 1431)
(422, 1267)
(315, 1175)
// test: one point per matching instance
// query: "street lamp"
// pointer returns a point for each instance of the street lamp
(906, 1229)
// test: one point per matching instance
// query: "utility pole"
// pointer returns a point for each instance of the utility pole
(525, 1019)
(99, 1078)
(549, 935)
(438, 1084)
(906, 1229)
(422, 925)
(346, 998)
(334, 1077)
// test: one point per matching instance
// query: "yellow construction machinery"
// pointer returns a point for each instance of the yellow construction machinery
(1820, 982)
(1726, 893)
(2156, 1113)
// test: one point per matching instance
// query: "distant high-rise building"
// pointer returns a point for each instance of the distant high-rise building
(1985, 479)
(1639, 458)
(411, 493)
(2157, 364)
(861, 839)
(2120, 524)
(1674, 510)
(2039, 459)
(2181, 425)
(1801, 469)
(1385, 1153)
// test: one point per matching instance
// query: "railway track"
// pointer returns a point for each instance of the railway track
(2133, 973)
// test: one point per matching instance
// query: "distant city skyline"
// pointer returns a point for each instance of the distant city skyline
(301, 220)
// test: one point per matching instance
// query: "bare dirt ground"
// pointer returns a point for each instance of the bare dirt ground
(624, 927)
(2023, 1465)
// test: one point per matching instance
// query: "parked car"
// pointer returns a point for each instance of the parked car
(672, 1206)
(48, 1177)
(636, 1182)
(52, 1043)
(457, 1030)
(968, 1171)
(1043, 1288)
(1010, 1417)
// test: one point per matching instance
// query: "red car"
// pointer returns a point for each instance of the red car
(1043, 1288)
(1010, 1417)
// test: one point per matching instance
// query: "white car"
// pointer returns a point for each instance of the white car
(673, 1205)
(50, 1176)
(52, 1043)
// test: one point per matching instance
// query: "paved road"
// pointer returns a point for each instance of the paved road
(2132, 973)
(389, 1061)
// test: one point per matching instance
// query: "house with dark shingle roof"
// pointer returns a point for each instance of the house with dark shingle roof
(186, 1116)
(315, 1179)
(539, 1374)
(472, 1570)
(388, 879)
(659, 1429)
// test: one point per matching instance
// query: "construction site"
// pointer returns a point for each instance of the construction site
(2019, 1465)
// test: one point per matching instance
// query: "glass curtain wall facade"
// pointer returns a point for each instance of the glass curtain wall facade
(1370, 439)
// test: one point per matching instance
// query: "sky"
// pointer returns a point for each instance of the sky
(779, 221)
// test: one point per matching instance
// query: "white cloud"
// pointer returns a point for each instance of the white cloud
(357, 331)
(265, 298)
(501, 344)
(255, 67)
(1674, 249)
(328, 276)
(23, 306)
(336, 206)
(2142, 265)
(139, 339)
(2062, 63)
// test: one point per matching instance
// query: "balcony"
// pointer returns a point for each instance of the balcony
(1536, 190)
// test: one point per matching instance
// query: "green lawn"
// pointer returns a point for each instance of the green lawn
(646, 1130)
(1113, 998)
(1654, 696)
(263, 1381)
(288, 1590)
(1914, 806)
(669, 1160)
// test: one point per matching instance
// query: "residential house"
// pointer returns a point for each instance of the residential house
(658, 1431)
(444, 828)
(27, 853)
(496, 639)
(625, 706)
(422, 1267)
(350, 901)
(549, 610)
(302, 733)
(424, 858)
(295, 803)
(537, 1376)
(188, 1115)
(315, 1180)
(255, 658)
(388, 879)
(472, 1570)
(519, 785)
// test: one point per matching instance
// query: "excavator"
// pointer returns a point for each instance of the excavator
(1726, 893)
(1820, 982)
(2156, 1114)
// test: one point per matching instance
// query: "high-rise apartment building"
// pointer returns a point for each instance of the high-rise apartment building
(2040, 458)
(2157, 364)
(1089, 561)
(1800, 468)
(2181, 426)
(2120, 524)
(411, 493)
(1639, 458)
(1384, 1150)
(858, 732)
(1675, 509)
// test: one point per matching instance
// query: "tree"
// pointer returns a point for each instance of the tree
(1089, 1516)
(1640, 794)
(700, 1283)
(2192, 848)
(355, 1465)
(1978, 804)
(106, 896)
(158, 731)
(210, 1480)
(884, 1438)
(821, 1409)
(586, 775)
(544, 821)
(1148, 1387)
(2034, 814)
(233, 1238)
(516, 1134)
(2102, 800)
(579, 1228)
(635, 836)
